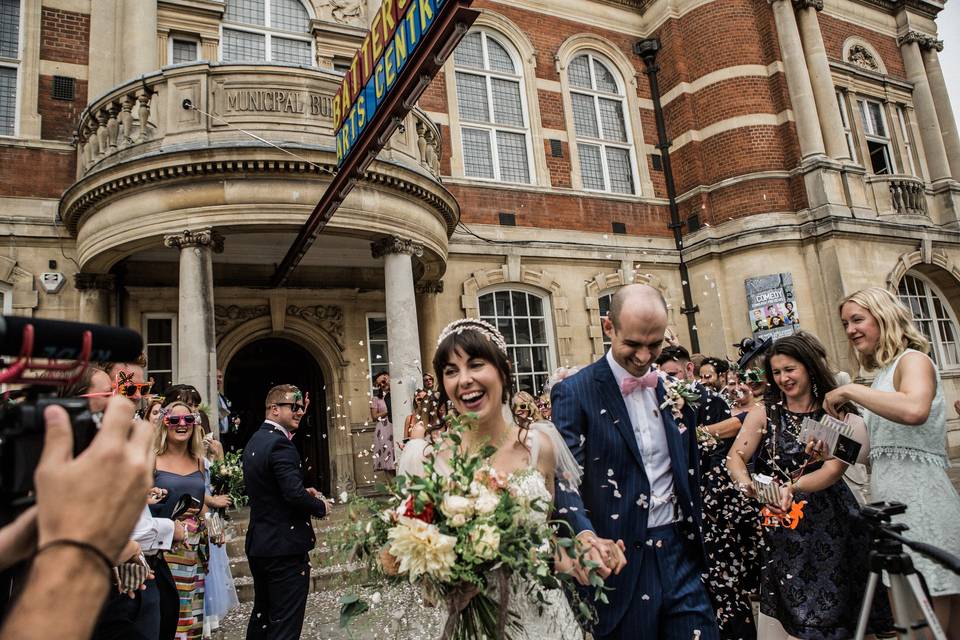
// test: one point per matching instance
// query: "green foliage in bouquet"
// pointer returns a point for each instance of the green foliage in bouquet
(468, 536)
(226, 477)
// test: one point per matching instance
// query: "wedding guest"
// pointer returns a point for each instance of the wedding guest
(429, 384)
(180, 470)
(906, 418)
(383, 455)
(731, 522)
(220, 594)
(544, 406)
(713, 373)
(154, 410)
(524, 409)
(813, 576)
(416, 423)
(186, 393)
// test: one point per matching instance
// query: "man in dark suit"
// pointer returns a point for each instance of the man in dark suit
(280, 534)
(639, 485)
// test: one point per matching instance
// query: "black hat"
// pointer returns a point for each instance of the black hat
(750, 348)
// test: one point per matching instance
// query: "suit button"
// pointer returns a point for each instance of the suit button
(638, 545)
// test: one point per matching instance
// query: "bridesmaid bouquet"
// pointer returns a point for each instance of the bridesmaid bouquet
(226, 477)
(462, 535)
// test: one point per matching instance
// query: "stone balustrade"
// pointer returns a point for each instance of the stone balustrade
(287, 106)
(899, 195)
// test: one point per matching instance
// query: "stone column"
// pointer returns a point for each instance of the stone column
(821, 81)
(429, 318)
(403, 333)
(941, 102)
(927, 120)
(798, 80)
(95, 289)
(139, 38)
(196, 336)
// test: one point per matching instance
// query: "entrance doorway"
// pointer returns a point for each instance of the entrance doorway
(263, 364)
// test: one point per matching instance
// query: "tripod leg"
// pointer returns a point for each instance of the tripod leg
(866, 606)
(921, 598)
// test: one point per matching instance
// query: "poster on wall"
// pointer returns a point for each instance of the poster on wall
(771, 306)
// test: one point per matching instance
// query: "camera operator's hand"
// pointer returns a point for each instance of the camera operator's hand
(18, 539)
(96, 497)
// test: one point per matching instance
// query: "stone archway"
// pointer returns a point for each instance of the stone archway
(925, 255)
(328, 353)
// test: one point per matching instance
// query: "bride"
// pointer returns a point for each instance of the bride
(471, 363)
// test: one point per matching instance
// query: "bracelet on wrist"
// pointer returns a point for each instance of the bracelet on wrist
(84, 546)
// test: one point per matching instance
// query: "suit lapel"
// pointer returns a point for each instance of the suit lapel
(674, 437)
(612, 400)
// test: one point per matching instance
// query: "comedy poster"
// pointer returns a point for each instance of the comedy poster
(772, 307)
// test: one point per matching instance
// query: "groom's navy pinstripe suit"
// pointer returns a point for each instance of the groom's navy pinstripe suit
(659, 594)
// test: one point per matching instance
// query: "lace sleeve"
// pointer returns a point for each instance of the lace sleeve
(567, 470)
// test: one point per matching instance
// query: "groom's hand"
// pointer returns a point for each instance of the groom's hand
(606, 553)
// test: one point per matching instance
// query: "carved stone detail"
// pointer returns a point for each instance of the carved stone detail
(201, 238)
(861, 56)
(428, 144)
(395, 244)
(429, 286)
(924, 40)
(84, 281)
(328, 317)
(348, 12)
(803, 4)
(225, 317)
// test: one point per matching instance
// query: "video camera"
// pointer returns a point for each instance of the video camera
(51, 354)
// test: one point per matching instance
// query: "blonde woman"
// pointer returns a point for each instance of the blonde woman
(525, 409)
(906, 416)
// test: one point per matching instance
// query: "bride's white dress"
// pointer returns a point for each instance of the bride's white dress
(553, 618)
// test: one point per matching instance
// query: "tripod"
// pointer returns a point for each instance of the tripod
(887, 555)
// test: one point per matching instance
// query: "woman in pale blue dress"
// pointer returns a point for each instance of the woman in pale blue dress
(906, 417)
(220, 592)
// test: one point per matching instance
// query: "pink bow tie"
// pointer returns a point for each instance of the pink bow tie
(631, 384)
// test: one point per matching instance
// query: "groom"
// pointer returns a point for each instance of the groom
(280, 534)
(640, 480)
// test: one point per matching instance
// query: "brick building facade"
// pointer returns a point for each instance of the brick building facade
(811, 137)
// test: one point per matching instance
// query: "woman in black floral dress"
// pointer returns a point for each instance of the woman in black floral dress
(813, 576)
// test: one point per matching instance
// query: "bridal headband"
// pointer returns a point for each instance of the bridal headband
(485, 329)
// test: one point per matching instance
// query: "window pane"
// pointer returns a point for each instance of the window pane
(378, 353)
(8, 101)
(505, 326)
(486, 306)
(578, 73)
(611, 117)
(879, 157)
(506, 102)
(618, 166)
(160, 357)
(519, 299)
(876, 118)
(522, 326)
(376, 328)
(290, 51)
(538, 333)
(289, 15)
(184, 51)
(536, 306)
(604, 78)
(159, 330)
(10, 28)
(472, 97)
(584, 115)
(477, 155)
(469, 52)
(512, 151)
(240, 45)
(499, 58)
(245, 12)
(503, 303)
(591, 167)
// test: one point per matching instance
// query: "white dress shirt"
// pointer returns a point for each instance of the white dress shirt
(281, 428)
(652, 441)
(153, 534)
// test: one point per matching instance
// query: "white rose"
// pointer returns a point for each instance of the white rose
(486, 502)
(486, 541)
(457, 508)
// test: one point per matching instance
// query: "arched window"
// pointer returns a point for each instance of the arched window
(522, 318)
(266, 30)
(10, 61)
(604, 145)
(933, 316)
(493, 118)
(604, 305)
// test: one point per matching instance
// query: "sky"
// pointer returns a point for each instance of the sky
(948, 30)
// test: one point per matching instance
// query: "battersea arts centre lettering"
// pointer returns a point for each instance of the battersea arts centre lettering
(279, 101)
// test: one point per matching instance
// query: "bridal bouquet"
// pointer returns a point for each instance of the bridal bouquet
(462, 535)
(226, 477)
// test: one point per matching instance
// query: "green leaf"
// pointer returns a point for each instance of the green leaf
(351, 606)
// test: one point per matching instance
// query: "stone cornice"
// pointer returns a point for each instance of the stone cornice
(923, 7)
(97, 194)
(395, 244)
(803, 4)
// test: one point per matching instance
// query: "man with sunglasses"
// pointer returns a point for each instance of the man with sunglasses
(280, 534)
